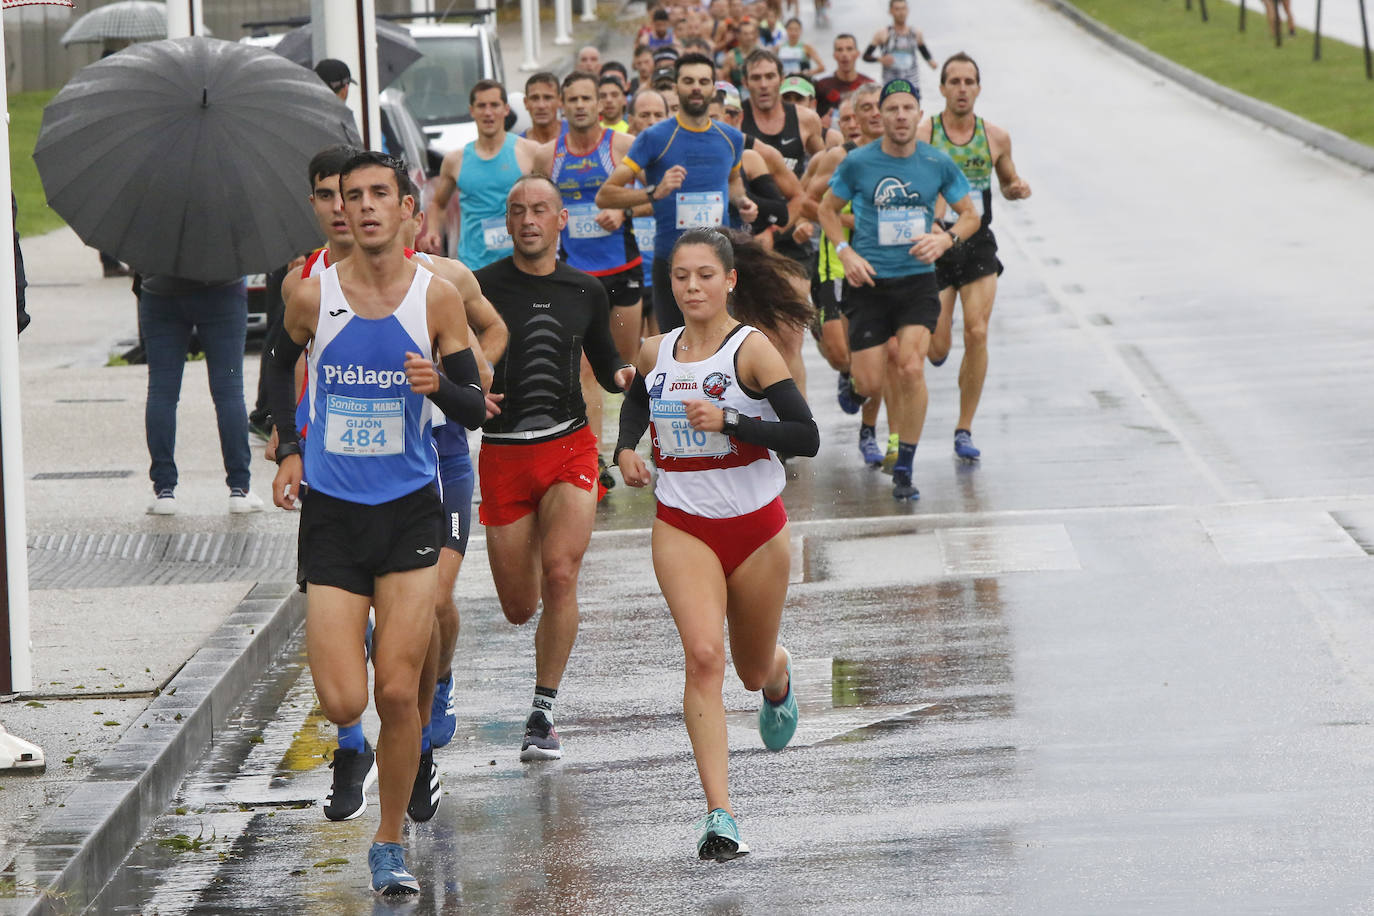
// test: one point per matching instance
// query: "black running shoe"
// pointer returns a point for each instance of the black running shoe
(541, 741)
(604, 473)
(902, 487)
(354, 774)
(424, 795)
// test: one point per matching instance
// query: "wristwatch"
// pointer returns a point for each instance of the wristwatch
(953, 239)
(650, 189)
(729, 423)
(286, 450)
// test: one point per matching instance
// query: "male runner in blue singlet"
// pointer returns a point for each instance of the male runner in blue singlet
(372, 523)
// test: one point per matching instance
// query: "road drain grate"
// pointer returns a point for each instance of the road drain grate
(101, 560)
(83, 475)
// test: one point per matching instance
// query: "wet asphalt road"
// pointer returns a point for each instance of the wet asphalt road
(1124, 665)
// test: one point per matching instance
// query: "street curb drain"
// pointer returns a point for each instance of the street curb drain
(80, 845)
(104, 560)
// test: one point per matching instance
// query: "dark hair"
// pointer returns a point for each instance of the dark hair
(578, 76)
(608, 80)
(790, 21)
(641, 49)
(846, 35)
(695, 42)
(759, 54)
(329, 162)
(693, 60)
(764, 295)
(369, 158)
(960, 58)
(542, 179)
(660, 14)
(543, 76)
(483, 86)
(615, 65)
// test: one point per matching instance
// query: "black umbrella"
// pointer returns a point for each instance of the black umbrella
(188, 156)
(396, 50)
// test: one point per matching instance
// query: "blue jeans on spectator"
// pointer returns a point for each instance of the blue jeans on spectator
(219, 316)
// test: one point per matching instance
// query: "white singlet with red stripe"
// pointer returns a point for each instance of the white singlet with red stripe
(316, 264)
(708, 474)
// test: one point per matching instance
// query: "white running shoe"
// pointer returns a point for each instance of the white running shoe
(165, 503)
(241, 501)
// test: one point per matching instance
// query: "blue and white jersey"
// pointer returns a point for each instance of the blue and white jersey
(370, 439)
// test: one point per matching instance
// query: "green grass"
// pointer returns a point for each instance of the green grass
(26, 114)
(1332, 92)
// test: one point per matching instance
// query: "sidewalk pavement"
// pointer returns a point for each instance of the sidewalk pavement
(146, 630)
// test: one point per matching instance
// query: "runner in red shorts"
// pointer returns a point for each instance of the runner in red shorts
(537, 466)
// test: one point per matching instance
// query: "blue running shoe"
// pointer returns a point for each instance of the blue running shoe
(850, 400)
(902, 487)
(443, 715)
(719, 837)
(868, 447)
(778, 721)
(963, 445)
(389, 876)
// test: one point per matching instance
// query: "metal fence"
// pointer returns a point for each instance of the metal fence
(37, 61)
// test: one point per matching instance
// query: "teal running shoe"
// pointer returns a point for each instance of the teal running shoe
(390, 878)
(719, 837)
(778, 721)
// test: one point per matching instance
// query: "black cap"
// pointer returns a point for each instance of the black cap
(335, 73)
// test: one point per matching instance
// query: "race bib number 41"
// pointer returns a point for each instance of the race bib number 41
(494, 234)
(901, 225)
(700, 209)
(677, 439)
(365, 427)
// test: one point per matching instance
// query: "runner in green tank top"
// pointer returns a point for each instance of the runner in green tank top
(970, 269)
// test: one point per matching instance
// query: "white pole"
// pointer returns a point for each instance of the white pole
(562, 14)
(185, 18)
(529, 25)
(589, 10)
(11, 428)
(350, 35)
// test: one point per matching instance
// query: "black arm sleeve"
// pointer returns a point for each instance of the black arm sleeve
(793, 433)
(634, 416)
(925, 52)
(764, 192)
(871, 54)
(599, 345)
(280, 366)
(460, 390)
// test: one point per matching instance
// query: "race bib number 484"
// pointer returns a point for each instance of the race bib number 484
(365, 427)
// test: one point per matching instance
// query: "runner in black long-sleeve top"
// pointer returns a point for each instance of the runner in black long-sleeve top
(538, 462)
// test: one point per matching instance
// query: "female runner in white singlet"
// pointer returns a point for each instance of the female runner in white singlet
(720, 402)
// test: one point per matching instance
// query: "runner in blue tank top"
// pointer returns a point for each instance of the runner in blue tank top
(691, 168)
(371, 521)
(482, 172)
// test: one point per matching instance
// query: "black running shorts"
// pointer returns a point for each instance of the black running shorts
(624, 288)
(348, 545)
(829, 298)
(969, 260)
(877, 312)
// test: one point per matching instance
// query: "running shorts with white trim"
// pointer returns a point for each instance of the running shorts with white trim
(348, 545)
(455, 476)
(969, 260)
(877, 312)
(515, 476)
(624, 288)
